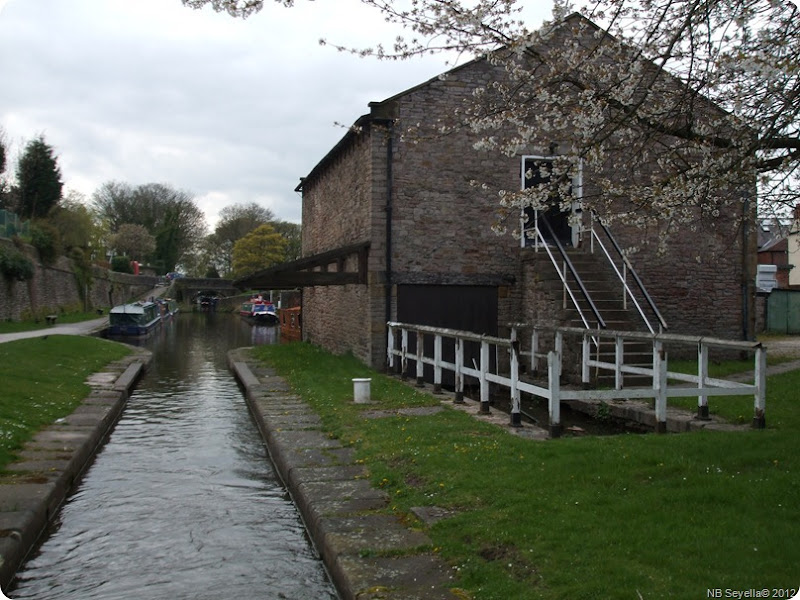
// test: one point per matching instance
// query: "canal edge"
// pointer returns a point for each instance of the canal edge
(52, 463)
(367, 553)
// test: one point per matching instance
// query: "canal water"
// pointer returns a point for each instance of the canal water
(182, 502)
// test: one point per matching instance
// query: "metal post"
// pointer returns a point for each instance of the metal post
(484, 382)
(702, 375)
(459, 376)
(624, 282)
(660, 385)
(586, 352)
(759, 421)
(554, 405)
(619, 360)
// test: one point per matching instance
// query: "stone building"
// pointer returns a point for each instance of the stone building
(396, 230)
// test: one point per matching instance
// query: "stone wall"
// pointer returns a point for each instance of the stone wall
(55, 288)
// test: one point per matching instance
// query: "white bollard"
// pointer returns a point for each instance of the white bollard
(361, 390)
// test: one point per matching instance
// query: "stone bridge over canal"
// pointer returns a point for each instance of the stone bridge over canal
(187, 289)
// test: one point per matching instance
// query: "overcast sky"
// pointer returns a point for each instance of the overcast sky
(230, 110)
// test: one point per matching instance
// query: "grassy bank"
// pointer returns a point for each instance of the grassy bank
(42, 379)
(627, 516)
(31, 325)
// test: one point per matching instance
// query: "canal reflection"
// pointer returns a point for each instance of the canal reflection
(182, 502)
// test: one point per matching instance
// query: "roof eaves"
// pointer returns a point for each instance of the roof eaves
(353, 131)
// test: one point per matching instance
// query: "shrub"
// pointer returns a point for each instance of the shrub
(15, 265)
(121, 264)
(45, 238)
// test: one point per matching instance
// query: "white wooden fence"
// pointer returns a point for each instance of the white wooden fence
(506, 373)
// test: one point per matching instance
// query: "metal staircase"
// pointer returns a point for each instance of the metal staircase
(598, 289)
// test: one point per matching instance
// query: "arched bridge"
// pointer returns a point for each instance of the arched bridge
(187, 289)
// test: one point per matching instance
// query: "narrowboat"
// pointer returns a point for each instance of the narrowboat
(135, 319)
(258, 310)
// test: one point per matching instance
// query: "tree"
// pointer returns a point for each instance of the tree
(708, 91)
(235, 222)
(5, 187)
(170, 215)
(291, 233)
(259, 249)
(39, 180)
(76, 223)
(2, 151)
(133, 241)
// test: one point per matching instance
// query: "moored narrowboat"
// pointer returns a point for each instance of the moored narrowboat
(135, 319)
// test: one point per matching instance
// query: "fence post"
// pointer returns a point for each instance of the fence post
(619, 360)
(437, 364)
(459, 376)
(420, 354)
(534, 350)
(483, 380)
(702, 375)
(586, 356)
(759, 421)
(390, 349)
(554, 405)
(404, 353)
(660, 385)
(516, 413)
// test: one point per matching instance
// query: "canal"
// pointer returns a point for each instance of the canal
(182, 502)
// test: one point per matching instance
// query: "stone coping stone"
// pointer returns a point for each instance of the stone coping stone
(417, 577)
(372, 533)
(338, 473)
(304, 438)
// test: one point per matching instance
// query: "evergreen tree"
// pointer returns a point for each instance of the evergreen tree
(39, 179)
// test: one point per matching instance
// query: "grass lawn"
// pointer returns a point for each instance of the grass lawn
(42, 379)
(627, 516)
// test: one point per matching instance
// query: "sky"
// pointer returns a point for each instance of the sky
(229, 110)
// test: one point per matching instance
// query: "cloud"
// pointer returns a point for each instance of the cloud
(229, 110)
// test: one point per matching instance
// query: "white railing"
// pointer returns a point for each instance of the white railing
(627, 268)
(485, 373)
(563, 270)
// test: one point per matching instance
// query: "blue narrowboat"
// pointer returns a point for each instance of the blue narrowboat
(136, 319)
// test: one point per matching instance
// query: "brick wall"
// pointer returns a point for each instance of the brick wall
(338, 211)
(441, 229)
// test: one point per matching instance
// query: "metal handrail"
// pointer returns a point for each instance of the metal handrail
(584, 292)
(634, 274)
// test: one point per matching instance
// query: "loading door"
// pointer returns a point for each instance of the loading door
(462, 307)
(535, 172)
